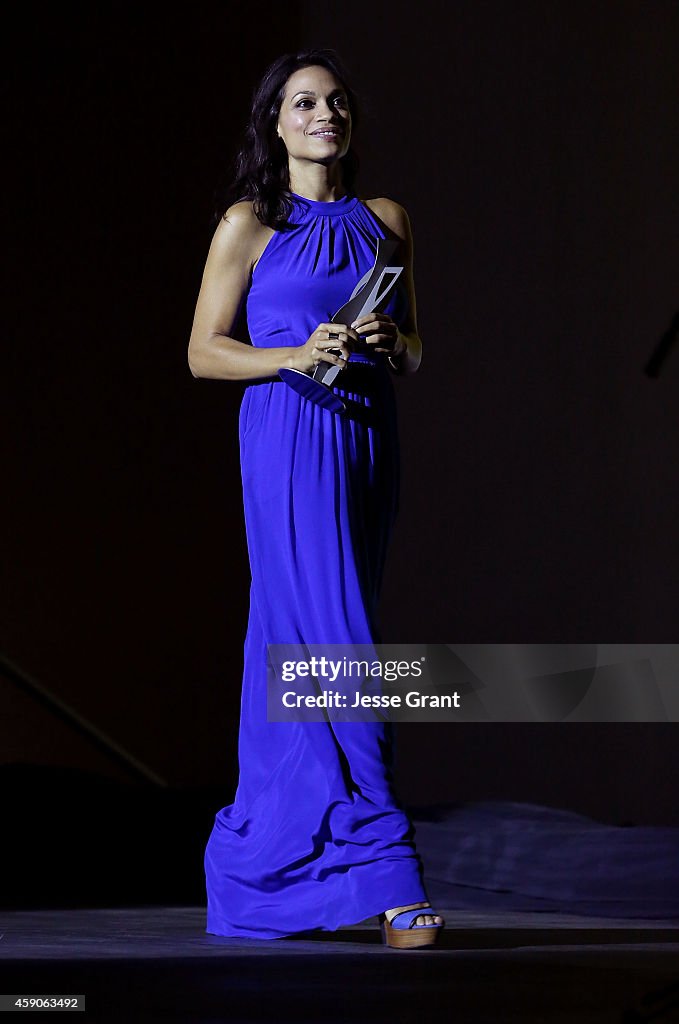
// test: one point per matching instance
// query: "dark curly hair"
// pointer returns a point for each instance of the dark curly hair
(260, 168)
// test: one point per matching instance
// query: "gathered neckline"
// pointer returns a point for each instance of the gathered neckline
(338, 208)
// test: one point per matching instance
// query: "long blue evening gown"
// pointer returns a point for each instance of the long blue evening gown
(316, 837)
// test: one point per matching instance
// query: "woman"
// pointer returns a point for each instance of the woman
(315, 838)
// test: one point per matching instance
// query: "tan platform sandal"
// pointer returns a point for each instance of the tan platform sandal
(407, 935)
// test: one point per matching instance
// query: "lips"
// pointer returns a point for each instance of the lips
(328, 132)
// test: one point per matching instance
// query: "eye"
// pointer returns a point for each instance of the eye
(299, 104)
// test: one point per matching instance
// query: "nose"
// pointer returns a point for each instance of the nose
(330, 113)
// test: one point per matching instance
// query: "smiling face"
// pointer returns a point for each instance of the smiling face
(314, 120)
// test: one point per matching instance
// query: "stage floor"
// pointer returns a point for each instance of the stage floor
(158, 964)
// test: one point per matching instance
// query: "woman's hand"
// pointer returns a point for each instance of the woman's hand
(382, 332)
(330, 343)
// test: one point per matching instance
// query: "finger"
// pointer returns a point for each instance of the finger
(359, 321)
(375, 325)
(381, 339)
(339, 355)
(362, 321)
(342, 334)
(338, 327)
(327, 335)
(345, 332)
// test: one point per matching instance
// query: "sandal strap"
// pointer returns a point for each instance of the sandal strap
(410, 916)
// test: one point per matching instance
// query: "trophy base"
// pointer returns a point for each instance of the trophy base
(312, 389)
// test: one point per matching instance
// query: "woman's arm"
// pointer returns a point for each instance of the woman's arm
(212, 352)
(396, 218)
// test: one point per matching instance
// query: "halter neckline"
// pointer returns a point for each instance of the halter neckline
(338, 208)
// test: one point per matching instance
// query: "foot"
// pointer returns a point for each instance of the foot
(430, 919)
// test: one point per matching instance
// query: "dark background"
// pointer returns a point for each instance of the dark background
(535, 147)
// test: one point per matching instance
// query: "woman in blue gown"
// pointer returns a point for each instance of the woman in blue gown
(315, 837)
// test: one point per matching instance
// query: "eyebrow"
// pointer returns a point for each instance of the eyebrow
(310, 92)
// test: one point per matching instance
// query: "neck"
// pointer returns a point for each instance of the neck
(317, 182)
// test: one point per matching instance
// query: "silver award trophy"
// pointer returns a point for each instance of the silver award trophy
(371, 294)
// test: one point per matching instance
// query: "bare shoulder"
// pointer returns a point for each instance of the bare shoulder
(391, 213)
(240, 231)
